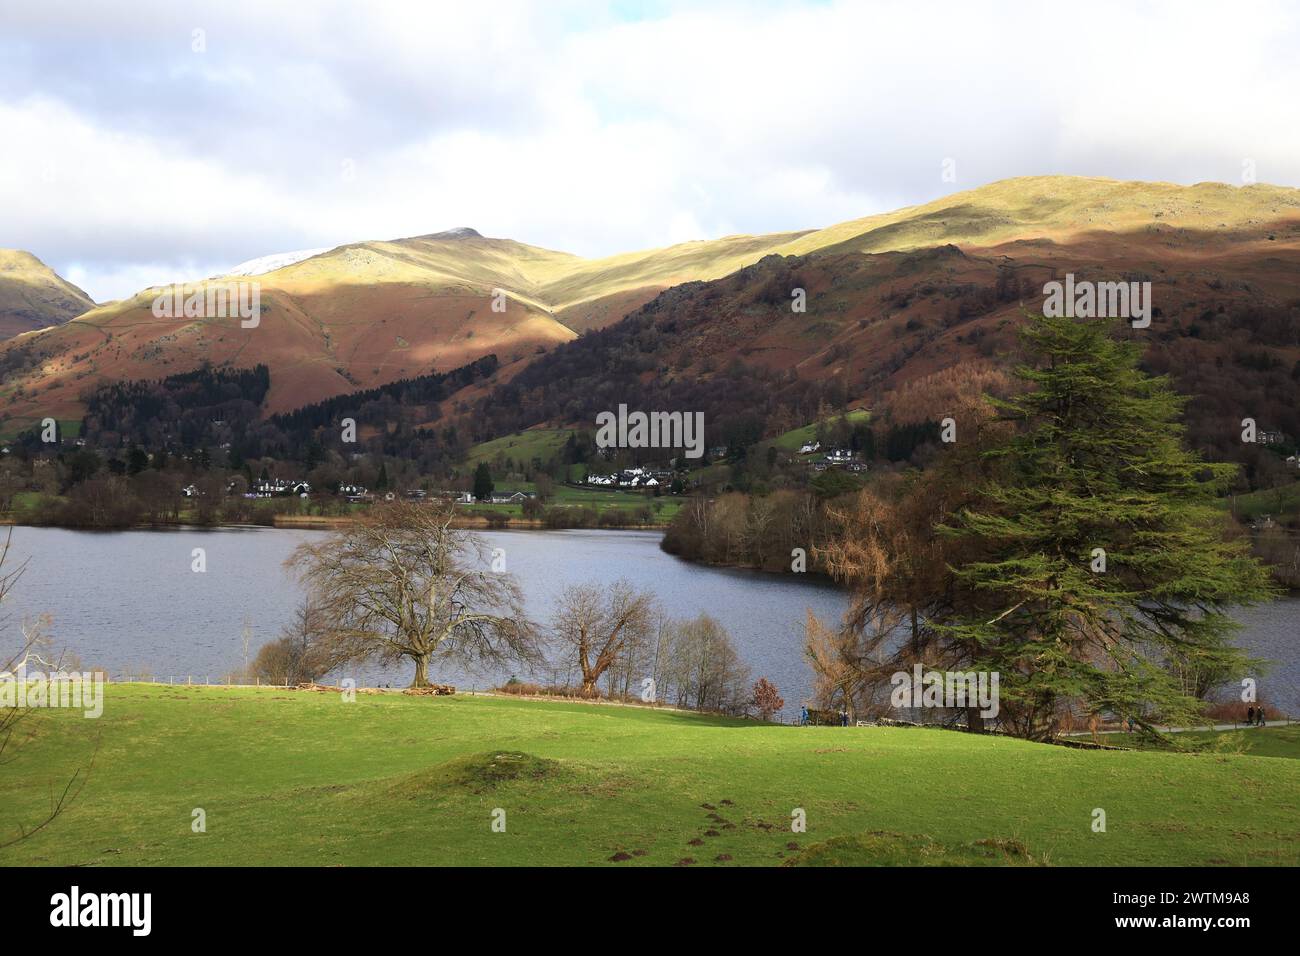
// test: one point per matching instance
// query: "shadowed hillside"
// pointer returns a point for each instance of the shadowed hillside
(891, 298)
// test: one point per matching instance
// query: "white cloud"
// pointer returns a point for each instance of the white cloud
(129, 155)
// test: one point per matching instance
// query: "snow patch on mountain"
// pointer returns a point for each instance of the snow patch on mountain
(460, 232)
(278, 260)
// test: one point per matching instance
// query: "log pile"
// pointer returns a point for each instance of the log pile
(335, 689)
(431, 690)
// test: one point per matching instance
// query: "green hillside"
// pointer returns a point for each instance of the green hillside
(522, 447)
(288, 777)
(794, 439)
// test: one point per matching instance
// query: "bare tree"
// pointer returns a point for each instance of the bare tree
(403, 583)
(704, 670)
(14, 668)
(302, 652)
(598, 626)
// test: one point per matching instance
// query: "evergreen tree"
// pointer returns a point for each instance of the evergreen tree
(483, 482)
(137, 460)
(381, 483)
(1104, 574)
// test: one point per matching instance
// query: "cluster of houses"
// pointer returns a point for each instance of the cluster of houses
(632, 478)
(835, 458)
(262, 488)
(358, 494)
(278, 488)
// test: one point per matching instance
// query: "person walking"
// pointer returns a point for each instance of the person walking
(803, 716)
(1250, 716)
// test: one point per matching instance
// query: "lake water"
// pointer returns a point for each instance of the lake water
(129, 602)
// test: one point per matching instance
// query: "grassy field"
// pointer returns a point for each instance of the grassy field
(290, 777)
(69, 428)
(523, 447)
(794, 439)
(1280, 503)
(601, 499)
(1256, 741)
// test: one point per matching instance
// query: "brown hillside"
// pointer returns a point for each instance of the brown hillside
(891, 297)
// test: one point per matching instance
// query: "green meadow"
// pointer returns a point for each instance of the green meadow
(302, 778)
(1256, 741)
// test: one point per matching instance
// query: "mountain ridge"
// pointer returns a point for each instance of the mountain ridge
(364, 313)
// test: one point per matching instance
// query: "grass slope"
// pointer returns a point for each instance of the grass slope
(522, 447)
(301, 778)
(794, 439)
(1256, 741)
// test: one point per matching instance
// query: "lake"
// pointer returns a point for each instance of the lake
(129, 602)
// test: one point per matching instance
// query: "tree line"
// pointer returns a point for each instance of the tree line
(402, 584)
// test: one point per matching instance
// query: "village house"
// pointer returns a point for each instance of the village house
(354, 493)
(638, 477)
(277, 487)
(512, 497)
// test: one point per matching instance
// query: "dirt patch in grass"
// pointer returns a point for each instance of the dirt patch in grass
(478, 773)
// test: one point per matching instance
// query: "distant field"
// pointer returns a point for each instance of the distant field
(1256, 741)
(1277, 502)
(69, 428)
(523, 447)
(794, 439)
(300, 778)
(664, 506)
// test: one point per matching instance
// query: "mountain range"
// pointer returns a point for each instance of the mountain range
(891, 299)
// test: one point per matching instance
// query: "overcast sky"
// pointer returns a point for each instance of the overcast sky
(135, 150)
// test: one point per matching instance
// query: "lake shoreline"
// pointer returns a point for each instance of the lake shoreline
(328, 523)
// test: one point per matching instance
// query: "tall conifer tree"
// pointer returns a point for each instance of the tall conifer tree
(1104, 573)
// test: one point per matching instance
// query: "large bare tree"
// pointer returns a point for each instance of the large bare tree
(598, 625)
(401, 582)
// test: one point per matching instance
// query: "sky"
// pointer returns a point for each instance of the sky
(155, 142)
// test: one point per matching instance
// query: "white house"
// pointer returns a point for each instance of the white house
(271, 487)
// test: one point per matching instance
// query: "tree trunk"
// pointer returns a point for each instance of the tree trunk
(974, 720)
(421, 671)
